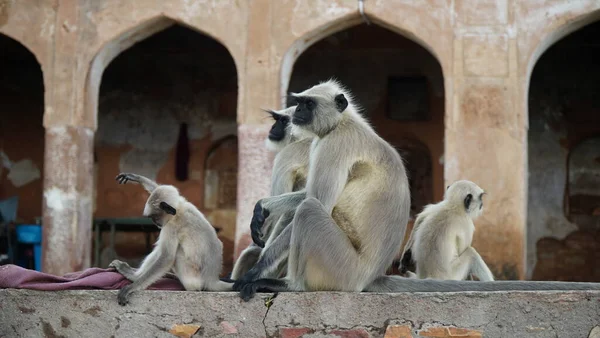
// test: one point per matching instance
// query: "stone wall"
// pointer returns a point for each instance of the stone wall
(293, 315)
(486, 51)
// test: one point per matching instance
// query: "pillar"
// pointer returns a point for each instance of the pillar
(259, 90)
(67, 202)
(485, 139)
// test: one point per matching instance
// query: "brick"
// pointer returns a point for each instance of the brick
(398, 331)
(354, 333)
(450, 332)
(293, 332)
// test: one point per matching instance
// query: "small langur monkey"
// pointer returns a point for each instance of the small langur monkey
(187, 244)
(290, 168)
(443, 235)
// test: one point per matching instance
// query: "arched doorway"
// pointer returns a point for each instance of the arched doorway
(163, 105)
(564, 118)
(399, 84)
(21, 129)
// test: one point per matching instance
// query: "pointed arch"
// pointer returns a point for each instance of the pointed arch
(301, 44)
(122, 41)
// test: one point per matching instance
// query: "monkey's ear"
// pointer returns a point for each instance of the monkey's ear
(274, 115)
(468, 201)
(448, 187)
(167, 208)
(341, 103)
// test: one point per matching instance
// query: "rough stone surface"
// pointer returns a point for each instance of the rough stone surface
(154, 313)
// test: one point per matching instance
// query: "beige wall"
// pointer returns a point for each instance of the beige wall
(486, 50)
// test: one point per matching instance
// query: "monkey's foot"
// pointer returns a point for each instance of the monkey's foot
(248, 290)
(123, 296)
(258, 220)
(123, 178)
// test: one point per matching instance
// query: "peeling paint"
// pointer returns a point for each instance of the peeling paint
(58, 200)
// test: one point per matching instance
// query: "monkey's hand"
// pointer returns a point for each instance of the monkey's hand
(252, 275)
(123, 178)
(123, 296)
(258, 220)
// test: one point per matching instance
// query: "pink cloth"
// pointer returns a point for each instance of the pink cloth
(16, 277)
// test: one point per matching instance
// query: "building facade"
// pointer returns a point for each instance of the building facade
(500, 92)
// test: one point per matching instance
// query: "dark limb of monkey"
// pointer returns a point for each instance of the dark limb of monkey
(148, 184)
(272, 208)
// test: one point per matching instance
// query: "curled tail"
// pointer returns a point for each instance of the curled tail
(401, 284)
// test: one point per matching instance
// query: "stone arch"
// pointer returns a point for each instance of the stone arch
(403, 66)
(304, 42)
(165, 100)
(123, 41)
(551, 38)
(564, 121)
(22, 138)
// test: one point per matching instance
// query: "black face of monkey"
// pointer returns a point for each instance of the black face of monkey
(306, 107)
(304, 111)
(277, 132)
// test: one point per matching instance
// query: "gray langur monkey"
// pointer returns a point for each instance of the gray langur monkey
(187, 244)
(442, 239)
(290, 168)
(351, 218)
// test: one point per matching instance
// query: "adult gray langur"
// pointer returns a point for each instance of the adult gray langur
(187, 244)
(351, 218)
(290, 167)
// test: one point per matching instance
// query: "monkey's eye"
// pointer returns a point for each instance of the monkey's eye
(310, 104)
(468, 201)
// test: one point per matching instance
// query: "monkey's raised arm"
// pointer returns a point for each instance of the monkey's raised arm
(147, 183)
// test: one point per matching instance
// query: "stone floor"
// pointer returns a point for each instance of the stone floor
(26, 313)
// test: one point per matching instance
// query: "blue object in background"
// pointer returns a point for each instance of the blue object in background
(32, 234)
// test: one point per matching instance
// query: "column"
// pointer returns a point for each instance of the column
(67, 208)
(485, 139)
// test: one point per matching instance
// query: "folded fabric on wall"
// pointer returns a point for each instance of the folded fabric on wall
(16, 277)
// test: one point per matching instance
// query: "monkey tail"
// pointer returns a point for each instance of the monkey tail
(401, 284)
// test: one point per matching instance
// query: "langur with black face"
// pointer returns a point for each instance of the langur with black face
(290, 168)
(443, 233)
(187, 243)
(351, 218)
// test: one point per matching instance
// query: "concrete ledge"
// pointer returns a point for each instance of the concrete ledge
(26, 313)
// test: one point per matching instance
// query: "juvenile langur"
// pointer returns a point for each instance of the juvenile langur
(289, 174)
(351, 218)
(442, 240)
(187, 244)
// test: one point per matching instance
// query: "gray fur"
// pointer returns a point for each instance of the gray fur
(187, 243)
(290, 168)
(443, 233)
(347, 230)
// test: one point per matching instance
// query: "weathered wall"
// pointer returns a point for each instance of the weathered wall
(293, 315)
(564, 111)
(486, 50)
